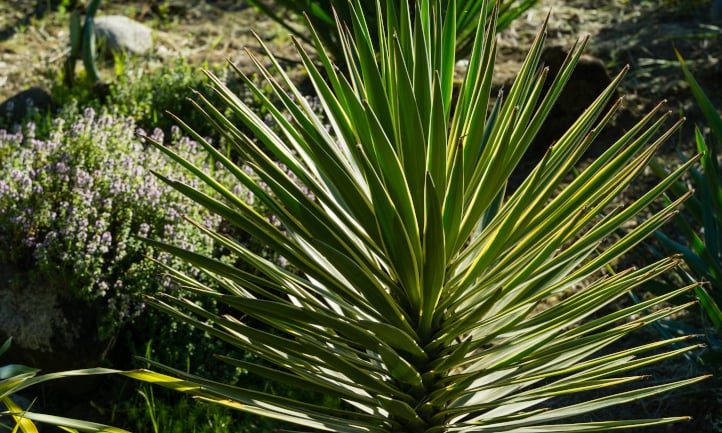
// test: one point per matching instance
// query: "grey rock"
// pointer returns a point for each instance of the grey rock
(588, 80)
(117, 33)
(462, 64)
(15, 108)
(32, 324)
(51, 330)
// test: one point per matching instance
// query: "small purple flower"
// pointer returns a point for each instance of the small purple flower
(89, 114)
(157, 135)
(61, 168)
(143, 229)
(30, 131)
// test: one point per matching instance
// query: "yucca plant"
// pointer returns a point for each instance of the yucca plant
(417, 293)
(14, 378)
(321, 18)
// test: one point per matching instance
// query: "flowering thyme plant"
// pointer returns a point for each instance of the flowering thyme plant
(73, 205)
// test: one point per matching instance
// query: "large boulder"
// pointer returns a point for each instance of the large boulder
(117, 33)
(18, 106)
(588, 80)
(51, 329)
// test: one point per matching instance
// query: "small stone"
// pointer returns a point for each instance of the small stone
(117, 33)
(462, 64)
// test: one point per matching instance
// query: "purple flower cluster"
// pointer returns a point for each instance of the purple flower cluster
(74, 205)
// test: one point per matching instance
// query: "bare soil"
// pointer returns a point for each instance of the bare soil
(641, 33)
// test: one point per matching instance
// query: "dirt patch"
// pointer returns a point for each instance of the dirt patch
(644, 35)
(34, 40)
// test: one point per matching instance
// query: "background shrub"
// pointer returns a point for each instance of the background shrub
(145, 94)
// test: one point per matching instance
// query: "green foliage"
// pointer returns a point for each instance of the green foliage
(14, 378)
(143, 94)
(418, 286)
(320, 16)
(148, 413)
(701, 223)
(156, 410)
(148, 95)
